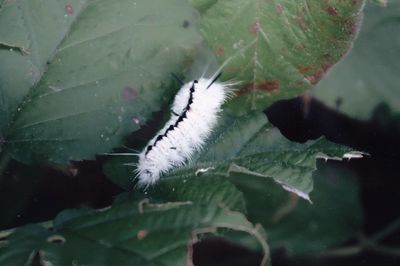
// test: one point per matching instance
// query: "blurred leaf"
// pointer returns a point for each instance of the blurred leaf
(368, 76)
(278, 49)
(304, 229)
(127, 234)
(380, 2)
(103, 81)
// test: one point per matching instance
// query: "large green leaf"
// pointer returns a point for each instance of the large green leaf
(278, 49)
(269, 171)
(304, 229)
(180, 187)
(135, 233)
(368, 76)
(103, 81)
(30, 32)
(247, 145)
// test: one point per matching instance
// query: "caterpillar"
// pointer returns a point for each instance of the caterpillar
(194, 114)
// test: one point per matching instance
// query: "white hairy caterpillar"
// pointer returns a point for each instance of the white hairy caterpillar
(194, 114)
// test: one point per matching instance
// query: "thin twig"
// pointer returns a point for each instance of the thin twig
(369, 244)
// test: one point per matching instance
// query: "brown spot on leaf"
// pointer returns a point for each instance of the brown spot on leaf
(314, 73)
(314, 78)
(350, 26)
(254, 28)
(279, 9)
(305, 69)
(69, 9)
(220, 50)
(302, 23)
(141, 234)
(326, 65)
(268, 85)
(263, 85)
(129, 94)
(244, 89)
(332, 11)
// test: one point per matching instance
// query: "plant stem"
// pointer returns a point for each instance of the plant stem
(370, 244)
(386, 231)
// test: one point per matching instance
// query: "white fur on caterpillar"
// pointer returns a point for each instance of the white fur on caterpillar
(193, 117)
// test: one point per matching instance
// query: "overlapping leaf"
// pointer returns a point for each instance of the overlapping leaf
(368, 76)
(103, 81)
(271, 173)
(278, 49)
(251, 146)
(127, 234)
(298, 227)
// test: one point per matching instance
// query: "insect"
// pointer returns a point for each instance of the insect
(194, 114)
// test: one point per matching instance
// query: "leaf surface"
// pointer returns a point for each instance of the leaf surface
(277, 49)
(368, 76)
(135, 233)
(96, 84)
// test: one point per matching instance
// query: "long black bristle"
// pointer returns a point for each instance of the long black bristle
(215, 79)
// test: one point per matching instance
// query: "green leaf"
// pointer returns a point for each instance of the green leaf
(304, 229)
(368, 76)
(135, 233)
(183, 186)
(201, 189)
(265, 167)
(278, 49)
(30, 32)
(247, 145)
(19, 248)
(380, 2)
(103, 81)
